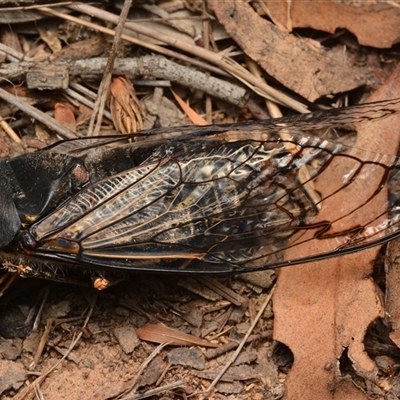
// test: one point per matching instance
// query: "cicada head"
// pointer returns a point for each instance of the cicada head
(34, 184)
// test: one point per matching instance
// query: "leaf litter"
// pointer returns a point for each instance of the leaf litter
(322, 311)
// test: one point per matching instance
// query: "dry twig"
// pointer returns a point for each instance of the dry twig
(156, 66)
(97, 115)
(145, 363)
(158, 49)
(219, 351)
(239, 349)
(37, 114)
(219, 60)
(156, 391)
(29, 391)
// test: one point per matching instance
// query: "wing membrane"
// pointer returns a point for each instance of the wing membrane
(229, 196)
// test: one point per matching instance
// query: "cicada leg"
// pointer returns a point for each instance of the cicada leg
(59, 274)
(6, 281)
(101, 282)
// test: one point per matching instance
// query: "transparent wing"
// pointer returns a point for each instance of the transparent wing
(230, 198)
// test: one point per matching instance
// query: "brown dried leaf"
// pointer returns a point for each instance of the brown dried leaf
(192, 115)
(375, 25)
(324, 307)
(65, 116)
(302, 65)
(125, 107)
(162, 334)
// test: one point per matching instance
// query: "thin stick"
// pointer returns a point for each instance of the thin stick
(33, 7)
(134, 40)
(154, 65)
(9, 131)
(239, 349)
(75, 95)
(144, 365)
(153, 392)
(97, 115)
(12, 54)
(37, 114)
(222, 61)
(42, 343)
(206, 40)
(219, 351)
(29, 391)
(43, 302)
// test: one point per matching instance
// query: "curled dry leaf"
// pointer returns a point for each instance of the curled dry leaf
(374, 25)
(65, 116)
(302, 65)
(125, 107)
(158, 333)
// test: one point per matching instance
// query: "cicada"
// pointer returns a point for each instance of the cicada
(216, 199)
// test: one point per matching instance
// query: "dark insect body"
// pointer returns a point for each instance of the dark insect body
(214, 199)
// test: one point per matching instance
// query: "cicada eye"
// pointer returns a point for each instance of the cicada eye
(79, 177)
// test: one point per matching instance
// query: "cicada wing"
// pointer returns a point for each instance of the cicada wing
(303, 124)
(227, 205)
(218, 197)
